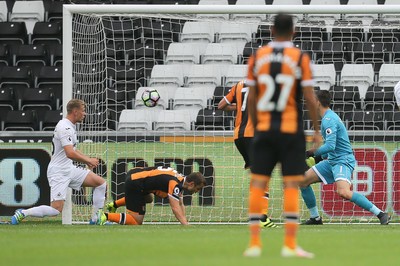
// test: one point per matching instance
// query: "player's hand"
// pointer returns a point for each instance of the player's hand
(93, 163)
(310, 161)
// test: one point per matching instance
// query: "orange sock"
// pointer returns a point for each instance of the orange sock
(122, 218)
(119, 202)
(255, 210)
(291, 214)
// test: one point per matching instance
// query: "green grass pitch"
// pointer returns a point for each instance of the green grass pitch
(50, 243)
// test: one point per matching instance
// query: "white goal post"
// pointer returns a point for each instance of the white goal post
(93, 54)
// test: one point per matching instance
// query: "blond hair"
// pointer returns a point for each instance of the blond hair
(73, 104)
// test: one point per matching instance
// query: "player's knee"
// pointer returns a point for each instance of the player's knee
(149, 198)
(344, 193)
(58, 205)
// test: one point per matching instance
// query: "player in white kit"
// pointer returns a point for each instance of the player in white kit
(62, 173)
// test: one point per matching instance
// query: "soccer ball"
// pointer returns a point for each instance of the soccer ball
(150, 97)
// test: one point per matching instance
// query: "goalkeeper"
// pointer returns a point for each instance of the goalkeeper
(338, 166)
(141, 183)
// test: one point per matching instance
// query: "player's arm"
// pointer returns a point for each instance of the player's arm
(251, 98)
(77, 156)
(330, 138)
(178, 209)
(225, 106)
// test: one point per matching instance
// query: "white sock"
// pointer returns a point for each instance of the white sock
(99, 196)
(41, 211)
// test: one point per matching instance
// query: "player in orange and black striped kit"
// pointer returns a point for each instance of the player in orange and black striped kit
(236, 100)
(141, 183)
(279, 75)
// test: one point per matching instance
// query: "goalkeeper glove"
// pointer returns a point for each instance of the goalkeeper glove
(310, 161)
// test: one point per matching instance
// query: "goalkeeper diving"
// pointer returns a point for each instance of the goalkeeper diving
(337, 167)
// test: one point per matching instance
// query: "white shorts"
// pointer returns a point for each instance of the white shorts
(60, 182)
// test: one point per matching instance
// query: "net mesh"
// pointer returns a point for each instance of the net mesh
(192, 61)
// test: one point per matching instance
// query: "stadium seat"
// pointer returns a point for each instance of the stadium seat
(7, 100)
(198, 32)
(53, 10)
(121, 30)
(236, 32)
(214, 16)
(324, 76)
(56, 54)
(13, 33)
(185, 53)
(346, 97)
(47, 33)
(28, 11)
(173, 120)
(364, 120)
(249, 49)
(50, 120)
(5, 57)
(49, 76)
(21, 121)
(95, 121)
(13, 75)
(379, 32)
(158, 29)
(392, 120)
(167, 75)
(366, 19)
(327, 19)
(212, 120)
(219, 93)
(347, 31)
(375, 53)
(208, 75)
(361, 76)
(137, 119)
(250, 17)
(220, 53)
(191, 98)
(36, 99)
(3, 11)
(264, 34)
(142, 52)
(297, 17)
(380, 99)
(32, 56)
(313, 33)
(234, 74)
(389, 75)
(166, 96)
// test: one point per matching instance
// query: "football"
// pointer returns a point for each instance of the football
(150, 97)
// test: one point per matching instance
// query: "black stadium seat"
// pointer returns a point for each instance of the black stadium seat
(49, 76)
(7, 100)
(36, 99)
(47, 33)
(32, 56)
(13, 33)
(50, 120)
(5, 57)
(21, 121)
(13, 75)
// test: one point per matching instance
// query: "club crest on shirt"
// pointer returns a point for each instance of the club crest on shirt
(328, 131)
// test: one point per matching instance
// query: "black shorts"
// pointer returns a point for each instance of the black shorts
(134, 194)
(244, 147)
(269, 148)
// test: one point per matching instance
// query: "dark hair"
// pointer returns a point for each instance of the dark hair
(324, 97)
(197, 178)
(283, 25)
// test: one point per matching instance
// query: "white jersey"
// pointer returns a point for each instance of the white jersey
(397, 93)
(64, 134)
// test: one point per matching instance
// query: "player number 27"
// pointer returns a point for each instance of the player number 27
(265, 104)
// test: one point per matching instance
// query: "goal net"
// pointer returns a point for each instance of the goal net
(192, 56)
